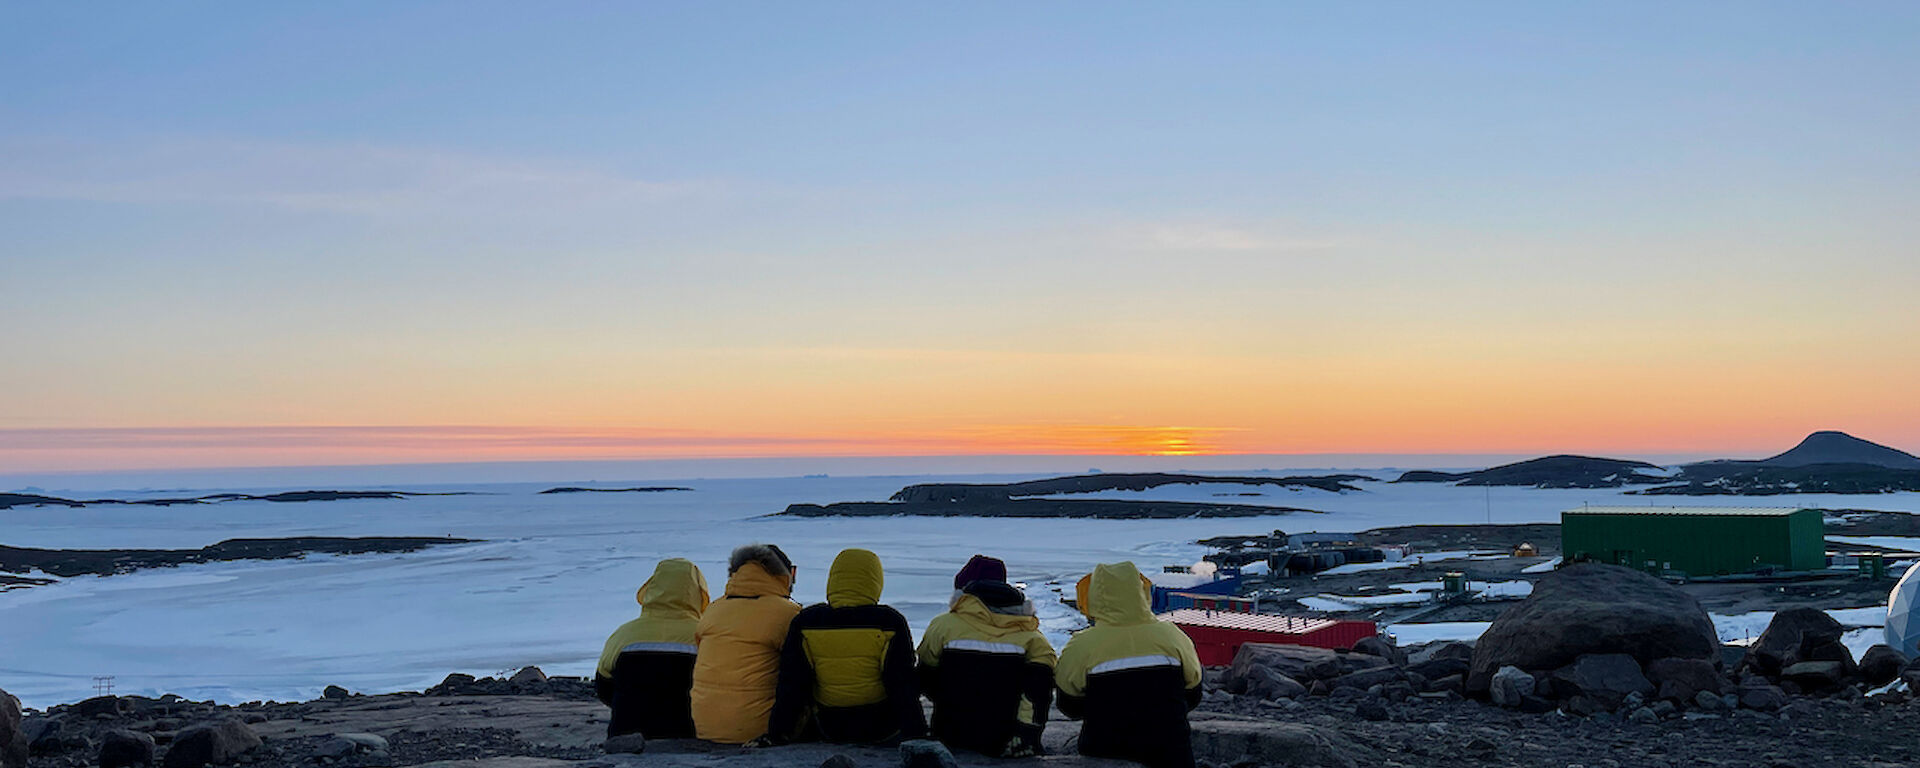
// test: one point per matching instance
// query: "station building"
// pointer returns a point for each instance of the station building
(1696, 541)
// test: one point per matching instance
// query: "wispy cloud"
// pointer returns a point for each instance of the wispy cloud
(347, 179)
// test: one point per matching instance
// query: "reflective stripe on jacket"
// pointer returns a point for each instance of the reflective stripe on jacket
(646, 668)
(1131, 677)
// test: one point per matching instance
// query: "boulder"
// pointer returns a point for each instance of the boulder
(1707, 701)
(1372, 709)
(626, 743)
(43, 735)
(1303, 664)
(926, 753)
(1592, 609)
(1760, 695)
(344, 744)
(1607, 678)
(1816, 676)
(454, 684)
(1683, 679)
(210, 743)
(13, 734)
(529, 677)
(1881, 664)
(101, 705)
(1237, 741)
(1788, 638)
(125, 749)
(1510, 686)
(1381, 647)
(1440, 659)
(1367, 678)
(334, 692)
(1264, 683)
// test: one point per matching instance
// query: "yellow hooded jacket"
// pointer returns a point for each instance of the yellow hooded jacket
(646, 669)
(988, 670)
(740, 637)
(1130, 676)
(848, 663)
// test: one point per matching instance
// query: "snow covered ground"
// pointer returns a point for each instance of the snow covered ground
(557, 573)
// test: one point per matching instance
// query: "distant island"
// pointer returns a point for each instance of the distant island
(646, 489)
(10, 500)
(1824, 462)
(1015, 499)
(1550, 472)
(107, 562)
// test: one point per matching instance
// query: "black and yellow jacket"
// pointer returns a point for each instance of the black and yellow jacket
(646, 668)
(846, 673)
(988, 670)
(739, 664)
(1131, 677)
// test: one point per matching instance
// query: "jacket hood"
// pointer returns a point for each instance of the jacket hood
(676, 591)
(1018, 616)
(752, 580)
(854, 579)
(1115, 594)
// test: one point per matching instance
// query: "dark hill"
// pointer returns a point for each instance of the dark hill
(1116, 481)
(1832, 447)
(1548, 472)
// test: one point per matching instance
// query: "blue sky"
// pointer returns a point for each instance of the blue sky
(778, 220)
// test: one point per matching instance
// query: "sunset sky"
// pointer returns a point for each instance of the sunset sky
(238, 234)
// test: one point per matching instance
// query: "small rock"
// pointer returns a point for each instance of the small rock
(1761, 696)
(1708, 701)
(837, 760)
(1664, 709)
(626, 743)
(922, 753)
(1881, 664)
(333, 692)
(1380, 647)
(1372, 709)
(1643, 716)
(1510, 685)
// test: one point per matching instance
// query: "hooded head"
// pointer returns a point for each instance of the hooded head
(759, 569)
(854, 579)
(676, 590)
(980, 568)
(1116, 594)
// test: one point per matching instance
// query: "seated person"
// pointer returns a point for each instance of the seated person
(740, 637)
(1130, 677)
(646, 669)
(986, 667)
(846, 671)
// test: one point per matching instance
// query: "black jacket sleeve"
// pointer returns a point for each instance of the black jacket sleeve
(1070, 705)
(903, 687)
(603, 688)
(794, 691)
(1038, 689)
(1193, 697)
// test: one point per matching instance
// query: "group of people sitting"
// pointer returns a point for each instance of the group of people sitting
(755, 668)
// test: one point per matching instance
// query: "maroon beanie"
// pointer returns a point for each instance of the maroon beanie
(980, 568)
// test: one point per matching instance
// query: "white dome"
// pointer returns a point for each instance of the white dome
(1903, 614)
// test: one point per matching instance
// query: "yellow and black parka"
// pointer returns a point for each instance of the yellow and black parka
(846, 671)
(646, 668)
(1132, 678)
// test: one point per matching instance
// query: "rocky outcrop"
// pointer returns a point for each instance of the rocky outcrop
(13, 737)
(1607, 679)
(1793, 636)
(1593, 609)
(1299, 663)
(1881, 664)
(1245, 741)
(125, 749)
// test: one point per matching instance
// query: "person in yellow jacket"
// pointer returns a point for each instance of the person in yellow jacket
(646, 669)
(846, 673)
(987, 668)
(1132, 678)
(739, 639)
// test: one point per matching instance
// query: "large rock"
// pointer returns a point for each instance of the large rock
(1816, 676)
(1790, 638)
(13, 738)
(1264, 683)
(1368, 678)
(1298, 662)
(1264, 742)
(1440, 659)
(1607, 678)
(1682, 680)
(211, 743)
(126, 749)
(1593, 609)
(1881, 664)
(1382, 648)
(1759, 694)
(1511, 686)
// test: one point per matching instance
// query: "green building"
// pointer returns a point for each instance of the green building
(1697, 541)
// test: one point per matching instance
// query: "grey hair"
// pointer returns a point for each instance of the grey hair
(767, 555)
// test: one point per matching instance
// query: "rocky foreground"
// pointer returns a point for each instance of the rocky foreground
(1601, 666)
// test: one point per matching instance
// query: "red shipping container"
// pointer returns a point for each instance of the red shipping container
(1218, 635)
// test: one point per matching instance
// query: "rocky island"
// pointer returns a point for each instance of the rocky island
(107, 562)
(1018, 499)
